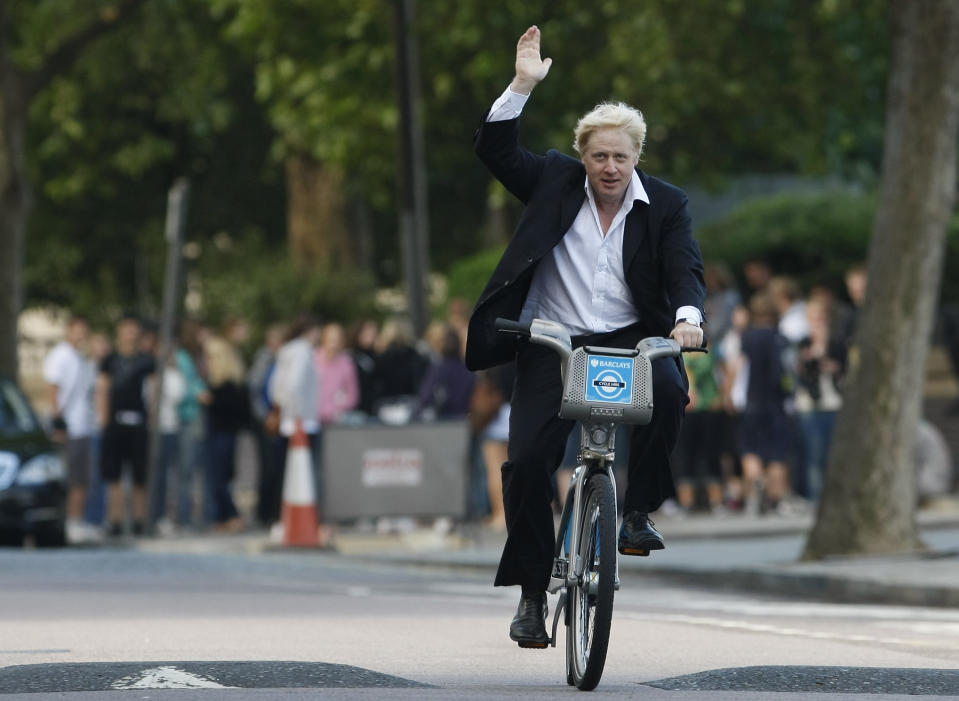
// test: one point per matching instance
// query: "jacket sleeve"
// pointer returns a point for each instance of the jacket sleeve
(497, 145)
(682, 262)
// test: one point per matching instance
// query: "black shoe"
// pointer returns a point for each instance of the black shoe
(528, 627)
(637, 535)
(139, 529)
(115, 529)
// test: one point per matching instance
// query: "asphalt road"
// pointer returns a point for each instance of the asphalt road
(105, 624)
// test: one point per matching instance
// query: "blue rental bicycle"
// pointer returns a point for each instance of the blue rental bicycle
(602, 387)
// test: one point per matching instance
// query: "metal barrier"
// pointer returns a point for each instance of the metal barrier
(418, 469)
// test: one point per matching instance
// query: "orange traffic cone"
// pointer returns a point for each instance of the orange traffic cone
(299, 497)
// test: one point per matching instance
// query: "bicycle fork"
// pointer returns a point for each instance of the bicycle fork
(567, 571)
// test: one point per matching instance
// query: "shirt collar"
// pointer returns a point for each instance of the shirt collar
(634, 191)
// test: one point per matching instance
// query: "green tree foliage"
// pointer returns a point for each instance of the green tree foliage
(160, 98)
(812, 237)
(223, 90)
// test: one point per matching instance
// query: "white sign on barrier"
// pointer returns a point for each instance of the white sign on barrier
(392, 468)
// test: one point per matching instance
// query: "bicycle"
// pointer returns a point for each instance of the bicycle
(602, 387)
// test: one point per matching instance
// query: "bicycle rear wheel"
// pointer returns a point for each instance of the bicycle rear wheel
(590, 600)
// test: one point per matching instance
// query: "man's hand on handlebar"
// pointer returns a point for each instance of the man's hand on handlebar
(688, 335)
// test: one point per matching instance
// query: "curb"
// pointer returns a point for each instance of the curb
(815, 586)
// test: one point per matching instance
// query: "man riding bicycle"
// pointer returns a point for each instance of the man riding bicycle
(607, 251)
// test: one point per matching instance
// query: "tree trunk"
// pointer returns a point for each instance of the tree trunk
(318, 232)
(14, 205)
(17, 88)
(869, 501)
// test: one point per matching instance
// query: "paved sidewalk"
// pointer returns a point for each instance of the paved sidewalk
(757, 554)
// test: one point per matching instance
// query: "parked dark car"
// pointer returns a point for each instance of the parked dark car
(32, 475)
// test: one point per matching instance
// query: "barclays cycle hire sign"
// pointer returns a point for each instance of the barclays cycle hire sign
(609, 379)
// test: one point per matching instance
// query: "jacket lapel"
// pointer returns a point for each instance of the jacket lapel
(572, 203)
(635, 228)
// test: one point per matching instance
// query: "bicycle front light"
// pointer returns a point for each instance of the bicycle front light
(40, 470)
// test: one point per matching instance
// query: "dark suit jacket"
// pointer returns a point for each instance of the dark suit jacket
(662, 262)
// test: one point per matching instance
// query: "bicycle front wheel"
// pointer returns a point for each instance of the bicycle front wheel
(590, 599)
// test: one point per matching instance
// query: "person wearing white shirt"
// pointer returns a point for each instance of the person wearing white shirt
(606, 250)
(71, 379)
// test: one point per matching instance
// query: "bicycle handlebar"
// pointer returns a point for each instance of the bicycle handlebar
(510, 326)
(665, 346)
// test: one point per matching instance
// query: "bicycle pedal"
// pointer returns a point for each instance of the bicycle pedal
(533, 645)
(635, 551)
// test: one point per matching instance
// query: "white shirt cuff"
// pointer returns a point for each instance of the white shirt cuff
(691, 313)
(509, 105)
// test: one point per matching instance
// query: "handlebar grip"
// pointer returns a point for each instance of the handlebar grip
(694, 349)
(510, 326)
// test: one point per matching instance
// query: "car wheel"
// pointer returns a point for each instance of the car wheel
(51, 537)
(10, 537)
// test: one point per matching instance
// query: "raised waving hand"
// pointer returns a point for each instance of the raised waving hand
(530, 67)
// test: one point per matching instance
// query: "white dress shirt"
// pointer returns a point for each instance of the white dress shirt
(581, 283)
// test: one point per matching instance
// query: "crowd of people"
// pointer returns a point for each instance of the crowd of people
(212, 385)
(763, 404)
(756, 436)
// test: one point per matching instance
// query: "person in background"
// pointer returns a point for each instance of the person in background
(458, 317)
(191, 458)
(168, 424)
(733, 373)
(722, 298)
(123, 414)
(149, 337)
(399, 370)
(447, 387)
(338, 386)
(292, 389)
(856, 280)
(700, 440)
(338, 392)
(822, 361)
(266, 423)
(757, 273)
(790, 308)
(236, 332)
(764, 431)
(489, 417)
(363, 352)
(96, 501)
(71, 379)
(227, 412)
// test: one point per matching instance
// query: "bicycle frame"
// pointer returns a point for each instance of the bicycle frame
(573, 509)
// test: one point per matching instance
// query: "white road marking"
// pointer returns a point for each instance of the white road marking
(823, 610)
(790, 632)
(166, 678)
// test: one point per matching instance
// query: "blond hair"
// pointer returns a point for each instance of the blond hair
(611, 115)
(223, 363)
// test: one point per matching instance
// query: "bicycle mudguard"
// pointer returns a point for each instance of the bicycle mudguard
(608, 384)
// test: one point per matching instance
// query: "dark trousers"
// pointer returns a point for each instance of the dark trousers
(272, 452)
(222, 447)
(537, 439)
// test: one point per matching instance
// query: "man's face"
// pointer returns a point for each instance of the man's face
(77, 333)
(128, 333)
(610, 158)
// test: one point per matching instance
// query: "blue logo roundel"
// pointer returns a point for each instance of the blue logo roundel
(609, 379)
